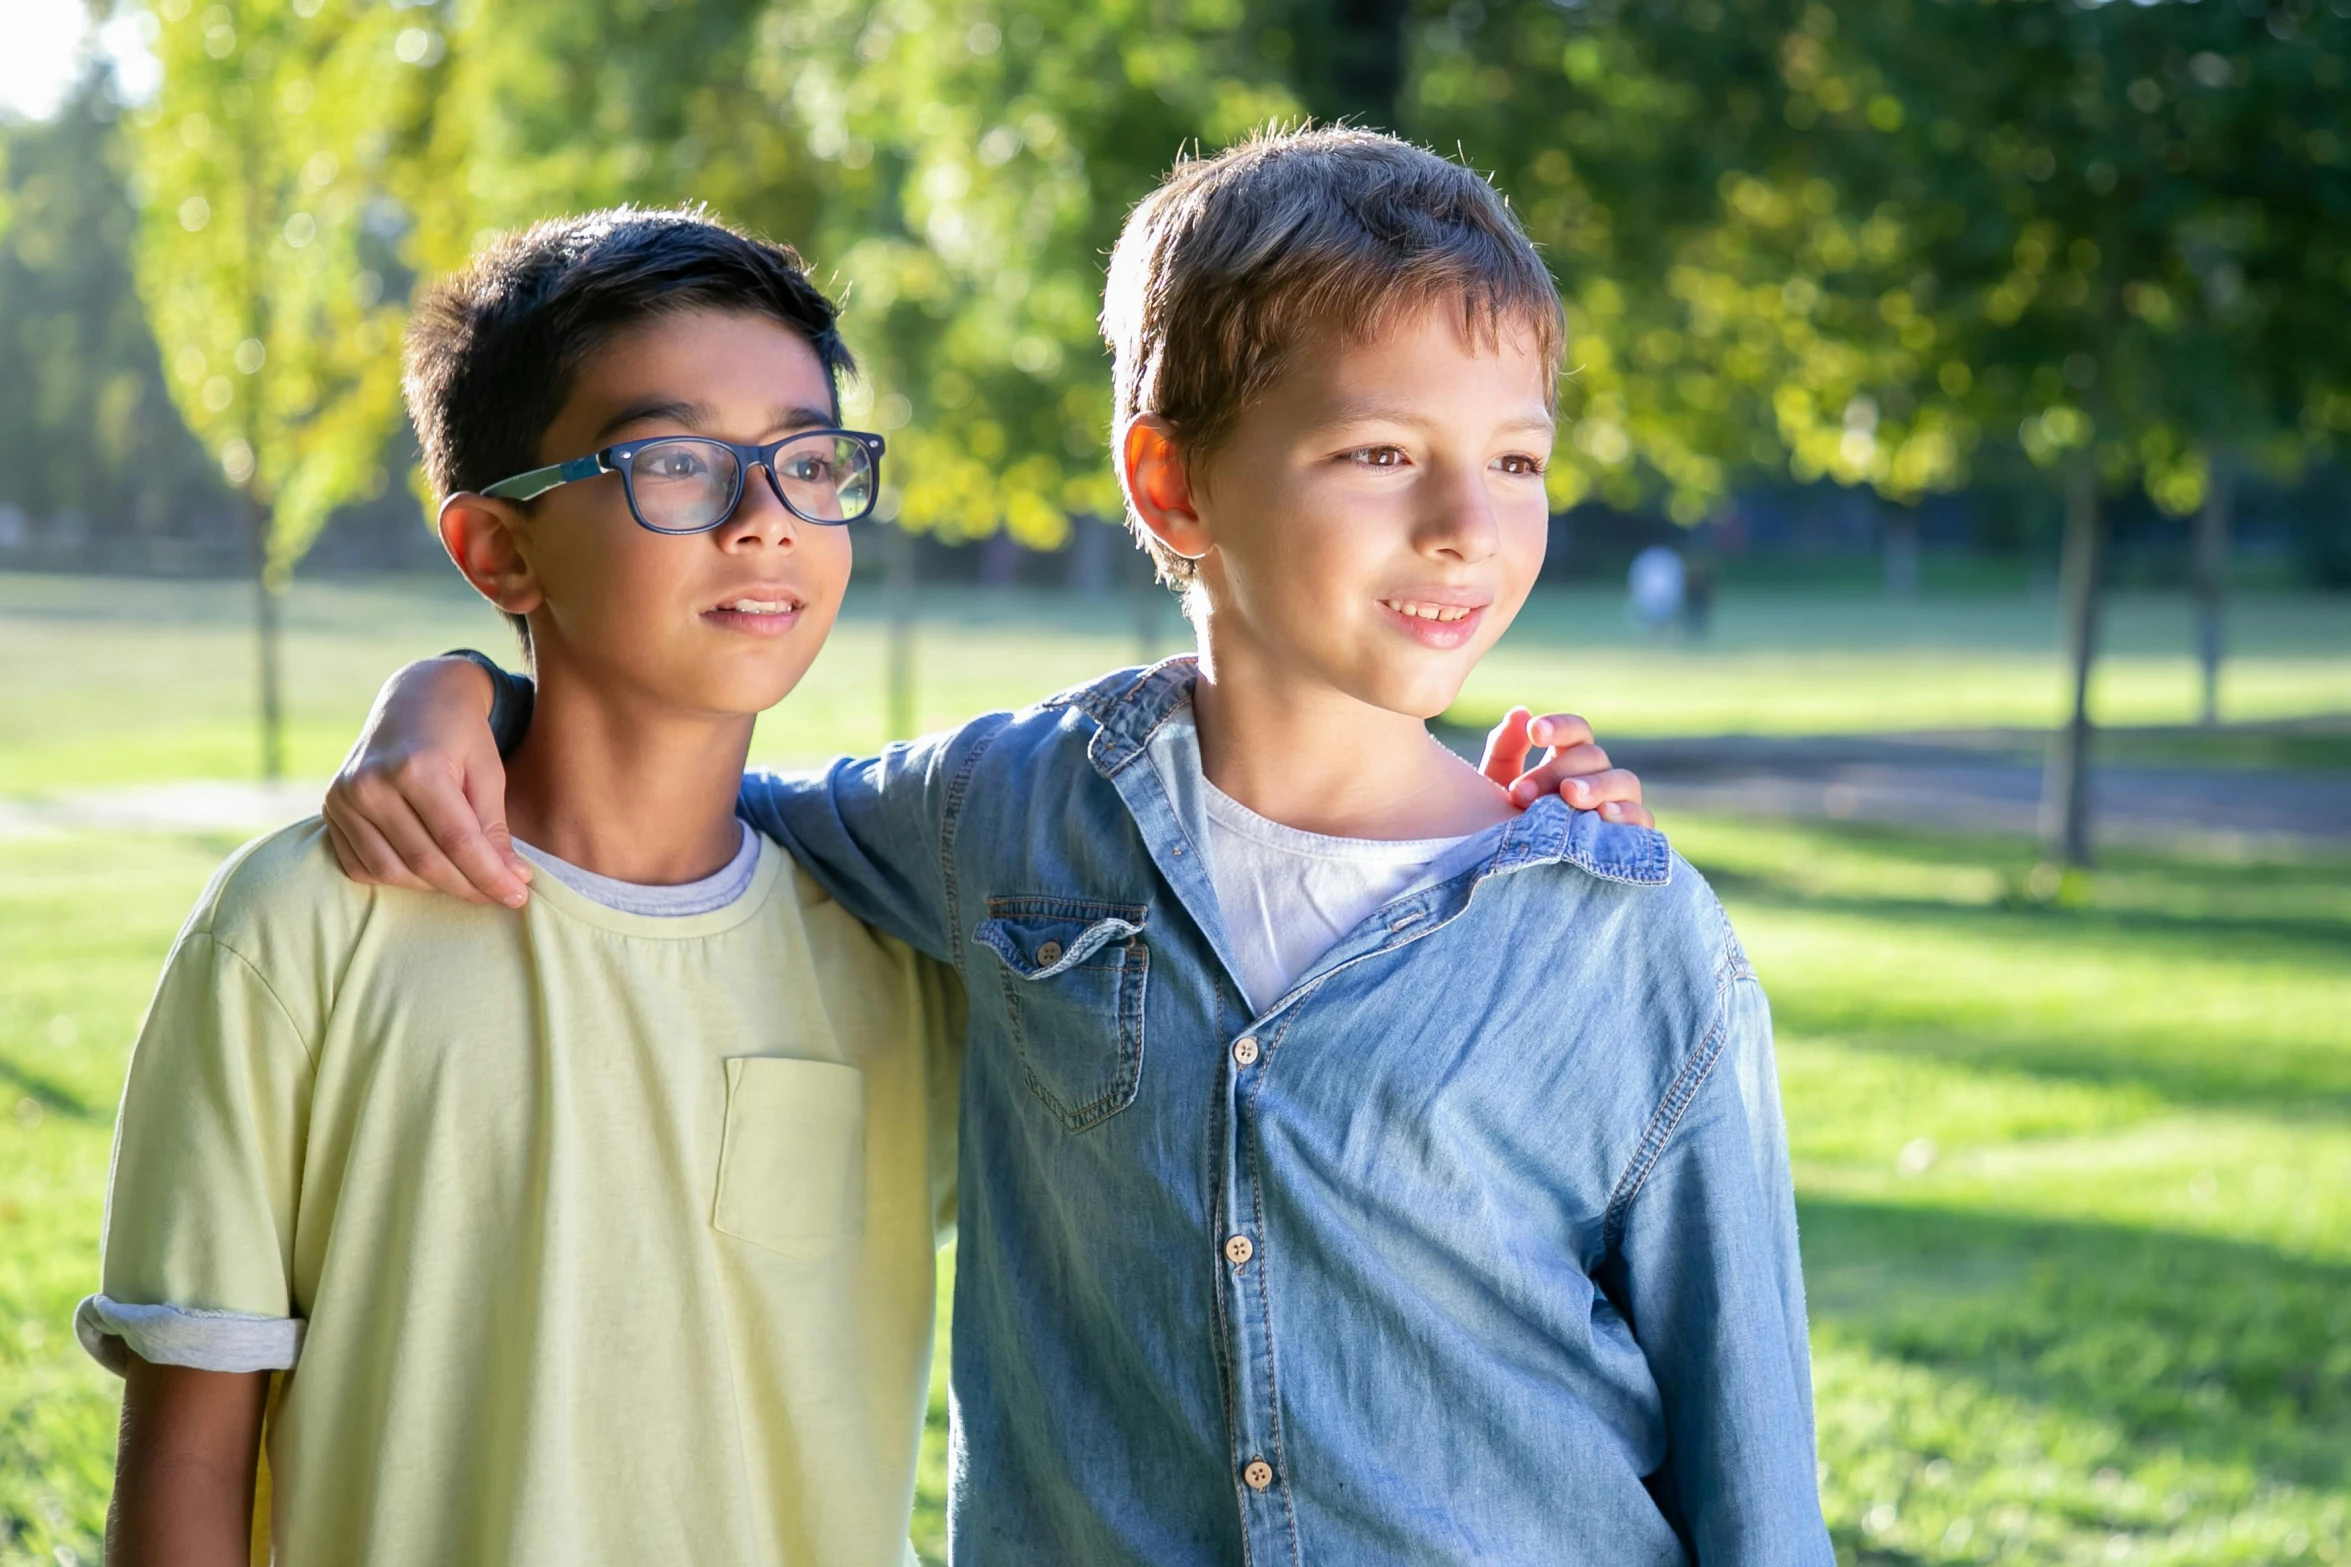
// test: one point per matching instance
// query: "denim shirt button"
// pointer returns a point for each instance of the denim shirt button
(1245, 1050)
(1049, 954)
(1238, 1251)
(1258, 1473)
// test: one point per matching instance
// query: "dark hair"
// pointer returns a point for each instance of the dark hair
(1234, 261)
(493, 349)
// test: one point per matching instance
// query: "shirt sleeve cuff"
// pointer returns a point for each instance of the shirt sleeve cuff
(183, 1336)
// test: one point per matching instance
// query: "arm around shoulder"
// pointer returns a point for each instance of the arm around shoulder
(878, 833)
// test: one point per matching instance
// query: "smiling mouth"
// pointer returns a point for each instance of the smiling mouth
(782, 606)
(1443, 614)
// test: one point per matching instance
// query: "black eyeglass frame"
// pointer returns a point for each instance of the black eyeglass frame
(621, 458)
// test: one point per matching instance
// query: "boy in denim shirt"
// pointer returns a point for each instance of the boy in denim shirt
(1353, 1168)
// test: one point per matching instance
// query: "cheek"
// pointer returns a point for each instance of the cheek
(826, 556)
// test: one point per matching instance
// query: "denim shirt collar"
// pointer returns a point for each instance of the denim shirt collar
(1132, 711)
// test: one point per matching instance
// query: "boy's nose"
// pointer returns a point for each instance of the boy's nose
(761, 517)
(1460, 523)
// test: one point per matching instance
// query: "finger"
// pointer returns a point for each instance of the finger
(1630, 812)
(354, 868)
(379, 864)
(1590, 791)
(1557, 768)
(392, 812)
(1560, 731)
(1506, 748)
(476, 839)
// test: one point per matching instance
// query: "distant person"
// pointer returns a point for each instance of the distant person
(1654, 586)
(1353, 1168)
(603, 1231)
(1698, 575)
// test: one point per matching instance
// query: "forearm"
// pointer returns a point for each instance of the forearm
(185, 1468)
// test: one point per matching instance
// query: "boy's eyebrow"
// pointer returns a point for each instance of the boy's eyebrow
(1408, 413)
(700, 416)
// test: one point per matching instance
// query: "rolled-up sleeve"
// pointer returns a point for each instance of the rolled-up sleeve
(199, 1228)
(1715, 1290)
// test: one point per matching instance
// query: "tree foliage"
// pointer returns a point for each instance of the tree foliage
(86, 426)
(1871, 242)
(267, 246)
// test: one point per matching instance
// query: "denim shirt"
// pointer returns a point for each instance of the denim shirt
(1478, 1245)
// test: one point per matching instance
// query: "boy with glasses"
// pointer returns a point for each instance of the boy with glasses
(605, 1231)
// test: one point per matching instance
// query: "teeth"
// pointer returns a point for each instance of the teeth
(1438, 612)
(761, 606)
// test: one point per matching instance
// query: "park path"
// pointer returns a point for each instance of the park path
(197, 805)
(1988, 783)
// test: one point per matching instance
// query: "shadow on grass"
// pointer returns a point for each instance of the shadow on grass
(46, 1092)
(2223, 1351)
(2201, 914)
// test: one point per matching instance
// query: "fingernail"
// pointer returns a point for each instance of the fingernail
(1522, 792)
(1578, 787)
(1612, 810)
(517, 900)
(1539, 732)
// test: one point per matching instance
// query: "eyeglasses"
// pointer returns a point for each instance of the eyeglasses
(692, 483)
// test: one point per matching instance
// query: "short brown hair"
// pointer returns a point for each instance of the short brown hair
(1235, 261)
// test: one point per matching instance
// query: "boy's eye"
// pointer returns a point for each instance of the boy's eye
(673, 462)
(1521, 463)
(1377, 456)
(808, 470)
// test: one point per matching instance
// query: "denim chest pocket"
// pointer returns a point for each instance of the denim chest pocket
(1072, 974)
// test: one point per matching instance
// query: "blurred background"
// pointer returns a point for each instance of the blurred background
(1952, 523)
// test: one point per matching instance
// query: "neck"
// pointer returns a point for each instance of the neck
(1299, 751)
(626, 786)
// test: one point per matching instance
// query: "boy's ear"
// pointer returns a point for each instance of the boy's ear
(1159, 486)
(480, 536)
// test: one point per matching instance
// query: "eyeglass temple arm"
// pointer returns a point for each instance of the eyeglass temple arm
(530, 486)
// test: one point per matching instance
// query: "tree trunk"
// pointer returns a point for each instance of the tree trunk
(904, 592)
(2212, 576)
(265, 641)
(2065, 785)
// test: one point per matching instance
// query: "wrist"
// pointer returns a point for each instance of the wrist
(507, 699)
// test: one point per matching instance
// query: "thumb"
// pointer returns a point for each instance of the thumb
(1506, 748)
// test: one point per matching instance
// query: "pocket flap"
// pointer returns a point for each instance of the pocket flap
(1039, 946)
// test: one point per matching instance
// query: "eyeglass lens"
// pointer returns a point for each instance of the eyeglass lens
(685, 485)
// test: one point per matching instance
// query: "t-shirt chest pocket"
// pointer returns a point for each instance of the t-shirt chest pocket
(791, 1161)
(1072, 975)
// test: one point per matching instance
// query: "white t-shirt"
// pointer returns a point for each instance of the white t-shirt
(1288, 896)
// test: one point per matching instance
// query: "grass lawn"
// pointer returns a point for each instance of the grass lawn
(2076, 1187)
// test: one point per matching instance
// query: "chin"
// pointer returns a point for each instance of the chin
(1417, 693)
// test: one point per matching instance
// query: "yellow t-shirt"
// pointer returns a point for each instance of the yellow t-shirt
(589, 1236)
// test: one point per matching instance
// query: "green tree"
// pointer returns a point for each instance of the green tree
(86, 427)
(1909, 242)
(262, 257)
